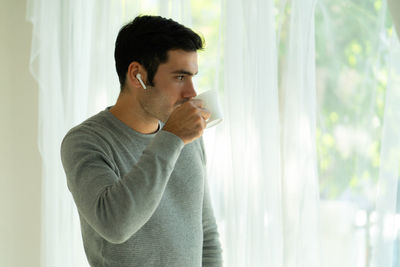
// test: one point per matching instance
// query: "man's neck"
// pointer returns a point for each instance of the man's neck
(128, 110)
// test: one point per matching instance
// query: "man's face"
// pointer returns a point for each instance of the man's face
(173, 85)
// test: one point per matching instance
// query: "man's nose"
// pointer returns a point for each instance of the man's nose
(189, 91)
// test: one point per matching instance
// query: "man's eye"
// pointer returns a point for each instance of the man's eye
(180, 77)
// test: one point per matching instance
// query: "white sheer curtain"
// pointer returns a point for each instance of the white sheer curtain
(246, 151)
(385, 252)
(299, 161)
(388, 204)
(263, 157)
(357, 74)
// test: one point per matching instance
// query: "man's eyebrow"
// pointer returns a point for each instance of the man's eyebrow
(184, 72)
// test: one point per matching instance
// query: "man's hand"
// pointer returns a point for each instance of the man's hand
(188, 121)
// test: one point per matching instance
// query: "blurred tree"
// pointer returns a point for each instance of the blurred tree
(352, 40)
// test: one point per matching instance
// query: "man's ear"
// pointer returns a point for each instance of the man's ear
(134, 69)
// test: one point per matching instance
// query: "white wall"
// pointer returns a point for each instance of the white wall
(20, 164)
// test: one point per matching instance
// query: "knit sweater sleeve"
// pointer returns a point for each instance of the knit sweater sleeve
(116, 207)
(212, 251)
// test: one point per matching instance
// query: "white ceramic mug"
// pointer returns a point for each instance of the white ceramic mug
(212, 104)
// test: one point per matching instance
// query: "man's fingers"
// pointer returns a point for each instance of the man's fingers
(205, 114)
(198, 103)
(188, 120)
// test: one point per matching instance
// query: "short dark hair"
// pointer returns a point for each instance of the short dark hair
(147, 40)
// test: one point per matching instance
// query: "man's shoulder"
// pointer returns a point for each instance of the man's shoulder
(92, 129)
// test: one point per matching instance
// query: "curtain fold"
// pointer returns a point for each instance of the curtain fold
(250, 159)
(299, 162)
(385, 252)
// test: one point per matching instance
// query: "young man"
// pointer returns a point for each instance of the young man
(137, 170)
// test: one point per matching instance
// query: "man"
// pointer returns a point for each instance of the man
(137, 170)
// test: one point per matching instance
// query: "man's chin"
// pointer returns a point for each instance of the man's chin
(164, 118)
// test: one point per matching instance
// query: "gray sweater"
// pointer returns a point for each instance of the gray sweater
(142, 199)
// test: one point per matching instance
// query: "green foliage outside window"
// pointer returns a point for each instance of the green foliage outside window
(352, 39)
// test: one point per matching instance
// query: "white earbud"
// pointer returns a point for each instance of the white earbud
(139, 77)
